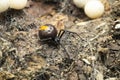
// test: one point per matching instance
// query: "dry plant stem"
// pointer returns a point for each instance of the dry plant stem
(93, 63)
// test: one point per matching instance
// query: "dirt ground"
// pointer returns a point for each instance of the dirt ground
(93, 54)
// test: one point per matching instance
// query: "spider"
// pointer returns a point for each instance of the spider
(49, 34)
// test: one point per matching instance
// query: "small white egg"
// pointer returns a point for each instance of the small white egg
(94, 9)
(18, 4)
(4, 5)
(80, 3)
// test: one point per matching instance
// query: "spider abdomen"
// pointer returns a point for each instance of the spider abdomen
(47, 31)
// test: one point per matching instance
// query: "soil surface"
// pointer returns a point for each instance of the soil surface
(89, 49)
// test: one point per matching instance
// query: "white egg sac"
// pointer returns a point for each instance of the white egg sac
(18, 4)
(94, 9)
(4, 5)
(80, 3)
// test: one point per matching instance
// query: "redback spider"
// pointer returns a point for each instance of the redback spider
(49, 34)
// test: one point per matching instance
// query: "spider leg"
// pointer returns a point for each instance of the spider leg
(62, 31)
(60, 34)
(74, 34)
(65, 50)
